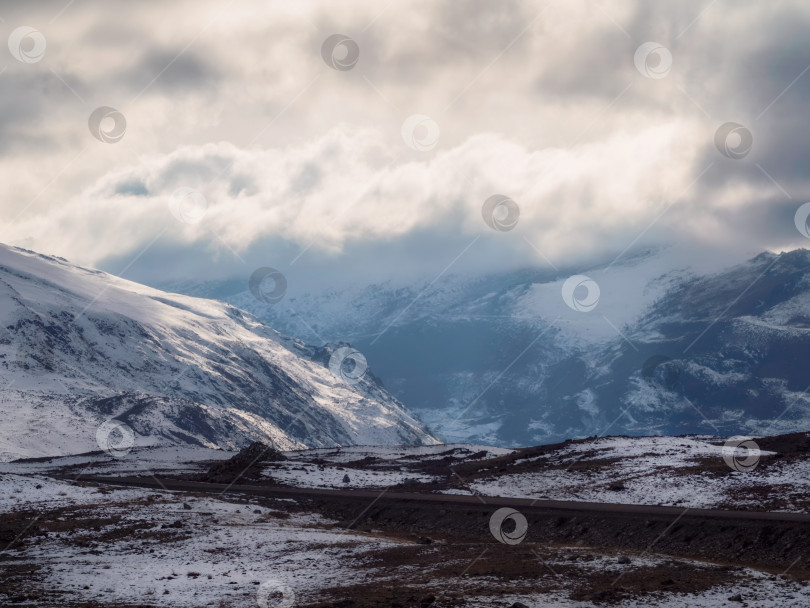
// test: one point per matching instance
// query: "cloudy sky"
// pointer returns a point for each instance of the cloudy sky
(361, 140)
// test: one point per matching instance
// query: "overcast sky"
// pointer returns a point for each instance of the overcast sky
(361, 140)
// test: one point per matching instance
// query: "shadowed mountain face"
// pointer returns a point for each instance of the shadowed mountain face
(80, 347)
(504, 360)
(737, 344)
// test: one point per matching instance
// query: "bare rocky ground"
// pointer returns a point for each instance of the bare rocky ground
(87, 545)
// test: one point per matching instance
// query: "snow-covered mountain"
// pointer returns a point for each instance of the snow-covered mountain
(505, 360)
(80, 347)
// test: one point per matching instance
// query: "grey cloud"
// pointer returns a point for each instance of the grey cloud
(115, 34)
(421, 255)
(448, 35)
(31, 103)
(753, 87)
(479, 29)
(131, 188)
(198, 170)
(766, 69)
(601, 66)
(733, 61)
(308, 177)
(242, 184)
(171, 71)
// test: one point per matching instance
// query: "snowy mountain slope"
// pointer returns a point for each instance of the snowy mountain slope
(721, 353)
(504, 360)
(81, 346)
(482, 358)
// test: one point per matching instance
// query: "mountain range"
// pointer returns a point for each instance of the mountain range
(644, 346)
(505, 360)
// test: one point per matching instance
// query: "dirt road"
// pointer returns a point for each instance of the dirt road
(772, 541)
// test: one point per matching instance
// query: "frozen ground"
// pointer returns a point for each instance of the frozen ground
(68, 545)
(669, 471)
(145, 546)
(372, 466)
(672, 471)
(139, 461)
(367, 466)
(102, 547)
(399, 453)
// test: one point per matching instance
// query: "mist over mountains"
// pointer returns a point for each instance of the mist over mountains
(502, 359)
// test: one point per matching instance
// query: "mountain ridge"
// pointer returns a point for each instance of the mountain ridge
(503, 360)
(81, 346)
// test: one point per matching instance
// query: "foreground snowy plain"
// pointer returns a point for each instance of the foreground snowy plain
(70, 544)
(670, 471)
(132, 547)
(666, 471)
(164, 549)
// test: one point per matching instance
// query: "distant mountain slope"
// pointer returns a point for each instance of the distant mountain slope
(733, 348)
(503, 360)
(80, 346)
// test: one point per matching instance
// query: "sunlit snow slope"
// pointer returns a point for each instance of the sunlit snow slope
(80, 346)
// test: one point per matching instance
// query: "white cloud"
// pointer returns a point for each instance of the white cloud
(549, 111)
(352, 186)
